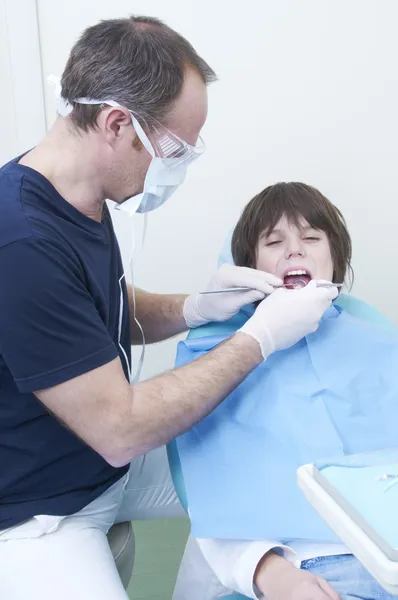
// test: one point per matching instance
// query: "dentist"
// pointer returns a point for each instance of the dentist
(73, 429)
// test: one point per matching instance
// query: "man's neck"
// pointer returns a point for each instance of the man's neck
(68, 161)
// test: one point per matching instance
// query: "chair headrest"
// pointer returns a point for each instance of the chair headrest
(225, 256)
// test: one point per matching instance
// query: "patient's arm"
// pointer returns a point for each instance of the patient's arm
(263, 569)
(278, 579)
(236, 562)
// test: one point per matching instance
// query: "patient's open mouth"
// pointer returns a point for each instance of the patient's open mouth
(297, 278)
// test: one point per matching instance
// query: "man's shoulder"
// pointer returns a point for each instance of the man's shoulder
(14, 223)
(27, 212)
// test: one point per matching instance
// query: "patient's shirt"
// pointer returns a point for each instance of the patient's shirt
(59, 314)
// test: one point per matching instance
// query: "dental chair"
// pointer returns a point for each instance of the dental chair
(122, 545)
(353, 306)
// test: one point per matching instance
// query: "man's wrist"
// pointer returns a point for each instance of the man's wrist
(264, 345)
(249, 345)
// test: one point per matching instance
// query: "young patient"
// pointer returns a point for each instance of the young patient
(313, 401)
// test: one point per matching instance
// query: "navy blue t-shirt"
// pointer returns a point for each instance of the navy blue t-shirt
(59, 313)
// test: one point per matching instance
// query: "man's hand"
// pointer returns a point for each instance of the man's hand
(278, 579)
(200, 309)
(286, 316)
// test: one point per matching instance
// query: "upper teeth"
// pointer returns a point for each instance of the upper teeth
(298, 272)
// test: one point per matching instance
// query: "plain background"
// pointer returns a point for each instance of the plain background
(307, 90)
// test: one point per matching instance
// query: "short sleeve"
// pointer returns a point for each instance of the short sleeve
(50, 328)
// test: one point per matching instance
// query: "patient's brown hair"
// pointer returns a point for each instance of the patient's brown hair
(295, 201)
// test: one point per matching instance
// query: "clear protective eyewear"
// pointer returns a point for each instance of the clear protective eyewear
(167, 145)
(159, 141)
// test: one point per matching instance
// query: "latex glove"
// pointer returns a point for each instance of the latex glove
(280, 580)
(200, 309)
(286, 316)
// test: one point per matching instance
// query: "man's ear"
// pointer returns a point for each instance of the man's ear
(113, 122)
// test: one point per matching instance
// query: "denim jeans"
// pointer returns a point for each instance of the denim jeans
(347, 577)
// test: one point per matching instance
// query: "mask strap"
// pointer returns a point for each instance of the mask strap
(137, 375)
(144, 230)
(142, 136)
(120, 324)
(65, 108)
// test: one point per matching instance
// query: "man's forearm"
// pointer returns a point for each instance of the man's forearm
(160, 315)
(121, 421)
(166, 406)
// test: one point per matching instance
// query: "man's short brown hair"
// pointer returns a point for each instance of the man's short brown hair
(139, 62)
(295, 201)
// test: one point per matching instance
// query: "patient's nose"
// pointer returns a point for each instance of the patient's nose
(294, 250)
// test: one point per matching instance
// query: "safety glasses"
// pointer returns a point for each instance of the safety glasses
(163, 143)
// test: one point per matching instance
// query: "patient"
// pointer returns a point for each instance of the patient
(327, 396)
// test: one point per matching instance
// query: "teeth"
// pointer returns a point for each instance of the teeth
(299, 272)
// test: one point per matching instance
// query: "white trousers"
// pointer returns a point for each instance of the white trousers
(68, 558)
(196, 580)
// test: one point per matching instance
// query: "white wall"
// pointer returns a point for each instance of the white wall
(22, 122)
(308, 91)
(7, 124)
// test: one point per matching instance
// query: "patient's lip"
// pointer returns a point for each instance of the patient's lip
(296, 268)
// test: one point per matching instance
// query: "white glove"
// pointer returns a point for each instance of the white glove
(200, 309)
(286, 316)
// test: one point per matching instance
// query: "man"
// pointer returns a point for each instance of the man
(134, 102)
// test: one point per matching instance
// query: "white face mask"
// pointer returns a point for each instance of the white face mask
(160, 183)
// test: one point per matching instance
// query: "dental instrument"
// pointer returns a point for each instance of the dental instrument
(285, 285)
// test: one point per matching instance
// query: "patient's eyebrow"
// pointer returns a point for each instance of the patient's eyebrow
(266, 234)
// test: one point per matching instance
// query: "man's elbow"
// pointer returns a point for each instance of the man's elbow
(126, 434)
(118, 455)
(115, 460)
